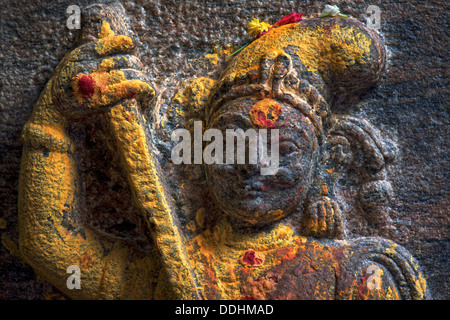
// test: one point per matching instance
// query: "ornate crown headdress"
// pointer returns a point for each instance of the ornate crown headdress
(276, 79)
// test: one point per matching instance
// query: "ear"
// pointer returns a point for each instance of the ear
(351, 143)
(355, 143)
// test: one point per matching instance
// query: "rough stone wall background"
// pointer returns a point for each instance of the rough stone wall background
(410, 103)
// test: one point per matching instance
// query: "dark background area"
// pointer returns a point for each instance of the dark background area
(410, 104)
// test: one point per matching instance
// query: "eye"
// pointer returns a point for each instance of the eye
(287, 147)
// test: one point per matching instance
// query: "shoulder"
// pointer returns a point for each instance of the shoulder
(376, 268)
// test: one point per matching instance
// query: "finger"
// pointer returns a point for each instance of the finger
(92, 20)
(322, 225)
(132, 74)
(338, 222)
(124, 90)
(311, 225)
(112, 44)
(100, 89)
(329, 218)
(125, 61)
(106, 43)
(69, 69)
(137, 75)
(85, 52)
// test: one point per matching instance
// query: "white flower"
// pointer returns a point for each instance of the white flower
(330, 11)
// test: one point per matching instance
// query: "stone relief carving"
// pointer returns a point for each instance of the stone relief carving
(98, 188)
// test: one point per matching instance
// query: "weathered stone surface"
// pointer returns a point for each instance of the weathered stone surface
(409, 106)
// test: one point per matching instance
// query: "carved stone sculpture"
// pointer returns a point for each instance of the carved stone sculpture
(98, 189)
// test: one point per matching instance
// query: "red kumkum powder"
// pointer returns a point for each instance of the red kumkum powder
(86, 85)
(265, 113)
(251, 258)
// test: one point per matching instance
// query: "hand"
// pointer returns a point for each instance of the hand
(98, 74)
(324, 219)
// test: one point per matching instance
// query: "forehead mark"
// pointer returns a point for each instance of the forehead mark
(265, 113)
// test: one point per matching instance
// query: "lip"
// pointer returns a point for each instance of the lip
(253, 186)
(252, 189)
(266, 184)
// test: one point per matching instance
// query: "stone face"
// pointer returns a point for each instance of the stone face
(180, 41)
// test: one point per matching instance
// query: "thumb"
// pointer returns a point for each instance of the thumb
(92, 18)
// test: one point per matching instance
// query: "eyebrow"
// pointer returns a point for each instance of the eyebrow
(290, 126)
(234, 115)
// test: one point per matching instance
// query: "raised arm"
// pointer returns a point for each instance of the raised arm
(92, 78)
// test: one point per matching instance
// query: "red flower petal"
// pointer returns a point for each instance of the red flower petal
(290, 18)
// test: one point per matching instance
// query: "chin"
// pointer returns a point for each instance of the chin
(251, 211)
